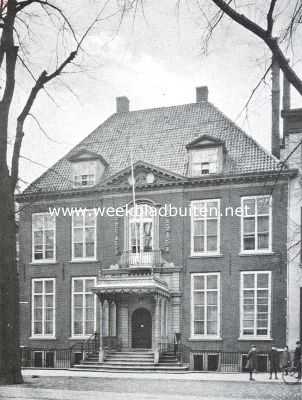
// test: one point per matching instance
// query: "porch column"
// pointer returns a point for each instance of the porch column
(101, 350)
(162, 319)
(166, 319)
(157, 330)
(112, 315)
(106, 318)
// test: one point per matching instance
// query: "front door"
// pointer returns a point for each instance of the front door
(141, 329)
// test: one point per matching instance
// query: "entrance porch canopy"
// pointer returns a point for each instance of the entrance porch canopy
(135, 285)
(111, 289)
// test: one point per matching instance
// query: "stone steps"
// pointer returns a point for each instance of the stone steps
(128, 368)
(131, 361)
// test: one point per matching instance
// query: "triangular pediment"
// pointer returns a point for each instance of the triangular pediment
(204, 141)
(145, 175)
(86, 155)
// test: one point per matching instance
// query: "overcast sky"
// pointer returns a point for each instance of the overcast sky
(156, 60)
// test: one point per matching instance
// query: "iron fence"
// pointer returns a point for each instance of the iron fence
(222, 361)
(47, 358)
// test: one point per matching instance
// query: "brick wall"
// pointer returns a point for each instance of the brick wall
(174, 239)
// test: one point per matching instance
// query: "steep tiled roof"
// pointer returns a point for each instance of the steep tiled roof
(159, 136)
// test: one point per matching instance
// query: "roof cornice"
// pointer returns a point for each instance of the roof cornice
(186, 182)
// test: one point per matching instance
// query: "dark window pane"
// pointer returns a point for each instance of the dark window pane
(199, 282)
(198, 244)
(212, 243)
(212, 282)
(249, 243)
(263, 241)
(38, 359)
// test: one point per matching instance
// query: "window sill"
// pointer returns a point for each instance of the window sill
(256, 253)
(83, 260)
(255, 338)
(205, 338)
(43, 262)
(42, 338)
(206, 255)
(79, 337)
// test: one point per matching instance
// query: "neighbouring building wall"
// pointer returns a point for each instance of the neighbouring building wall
(293, 150)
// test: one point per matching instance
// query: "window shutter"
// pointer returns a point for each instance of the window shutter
(165, 233)
(118, 235)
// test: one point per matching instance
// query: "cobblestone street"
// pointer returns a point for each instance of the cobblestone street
(154, 387)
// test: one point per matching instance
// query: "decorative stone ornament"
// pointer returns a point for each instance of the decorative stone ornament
(131, 180)
(150, 178)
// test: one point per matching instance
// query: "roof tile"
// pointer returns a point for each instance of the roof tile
(159, 136)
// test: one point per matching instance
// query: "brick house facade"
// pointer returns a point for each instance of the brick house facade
(217, 280)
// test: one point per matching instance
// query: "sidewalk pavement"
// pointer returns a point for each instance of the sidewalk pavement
(186, 375)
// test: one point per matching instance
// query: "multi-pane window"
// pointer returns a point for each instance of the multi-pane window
(43, 237)
(256, 223)
(84, 173)
(141, 234)
(43, 307)
(205, 227)
(84, 235)
(83, 306)
(84, 180)
(204, 161)
(205, 307)
(255, 303)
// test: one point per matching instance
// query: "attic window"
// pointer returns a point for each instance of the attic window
(204, 161)
(84, 180)
(84, 173)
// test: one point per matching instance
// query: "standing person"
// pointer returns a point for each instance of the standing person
(285, 360)
(274, 362)
(297, 358)
(251, 364)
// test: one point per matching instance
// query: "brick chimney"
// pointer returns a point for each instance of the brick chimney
(275, 109)
(202, 93)
(122, 104)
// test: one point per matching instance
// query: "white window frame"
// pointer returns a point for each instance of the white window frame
(256, 250)
(218, 290)
(43, 294)
(255, 336)
(79, 259)
(143, 257)
(204, 160)
(78, 173)
(43, 260)
(81, 336)
(206, 252)
(78, 180)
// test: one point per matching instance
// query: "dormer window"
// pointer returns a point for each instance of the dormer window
(84, 180)
(84, 175)
(87, 169)
(205, 156)
(204, 161)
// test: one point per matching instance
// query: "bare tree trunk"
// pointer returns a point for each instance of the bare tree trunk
(10, 370)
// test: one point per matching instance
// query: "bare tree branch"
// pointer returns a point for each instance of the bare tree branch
(270, 19)
(212, 25)
(46, 3)
(44, 131)
(266, 37)
(262, 79)
(43, 79)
